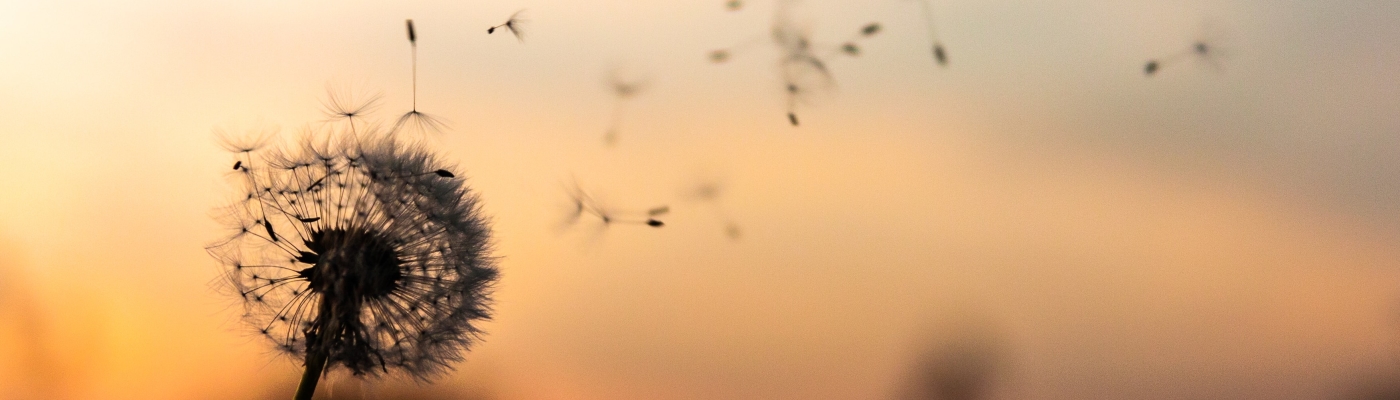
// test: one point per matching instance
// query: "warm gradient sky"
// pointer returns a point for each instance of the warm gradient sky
(1203, 233)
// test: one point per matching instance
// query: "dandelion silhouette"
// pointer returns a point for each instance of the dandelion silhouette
(939, 55)
(415, 120)
(622, 90)
(584, 205)
(1206, 49)
(802, 61)
(359, 253)
(515, 25)
(343, 104)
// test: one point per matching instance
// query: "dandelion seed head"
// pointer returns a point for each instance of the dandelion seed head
(363, 248)
(345, 104)
(516, 25)
(418, 123)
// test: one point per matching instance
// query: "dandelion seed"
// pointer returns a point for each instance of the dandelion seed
(1206, 50)
(622, 90)
(584, 204)
(343, 104)
(270, 234)
(237, 165)
(515, 25)
(378, 266)
(870, 30)
(851, 48)
(444, 173)
(414, 120)
(802, 62)
(939, 55)
(709, 191)
(719, 56)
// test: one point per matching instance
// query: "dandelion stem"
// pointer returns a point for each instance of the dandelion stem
(315, 363)
(415, 77)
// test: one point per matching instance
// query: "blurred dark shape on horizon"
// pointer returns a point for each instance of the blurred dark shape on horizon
(962, 364)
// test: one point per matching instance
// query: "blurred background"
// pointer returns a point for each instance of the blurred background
(1037, 220)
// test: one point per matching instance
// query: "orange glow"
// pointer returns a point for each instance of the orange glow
(1195, 234)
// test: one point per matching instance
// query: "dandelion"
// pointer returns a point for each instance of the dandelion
(415, 120)
(622, 90)
(583, 205)
(515, 25)
(1206, 49)
(802, 62)
(342, 104)
(357, 253)
(939, 55)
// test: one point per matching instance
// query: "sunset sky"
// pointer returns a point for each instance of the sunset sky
(1229, 232)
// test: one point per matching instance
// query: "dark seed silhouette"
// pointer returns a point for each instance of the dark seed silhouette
(586, 205)
(414, 119)
(515, 25)
(803, 63)
(871, 29)
(719, 56)
(1150, 68)
(939, 55)
(444, 173)
(1203, 50)
(237, 165)
(270, 233)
